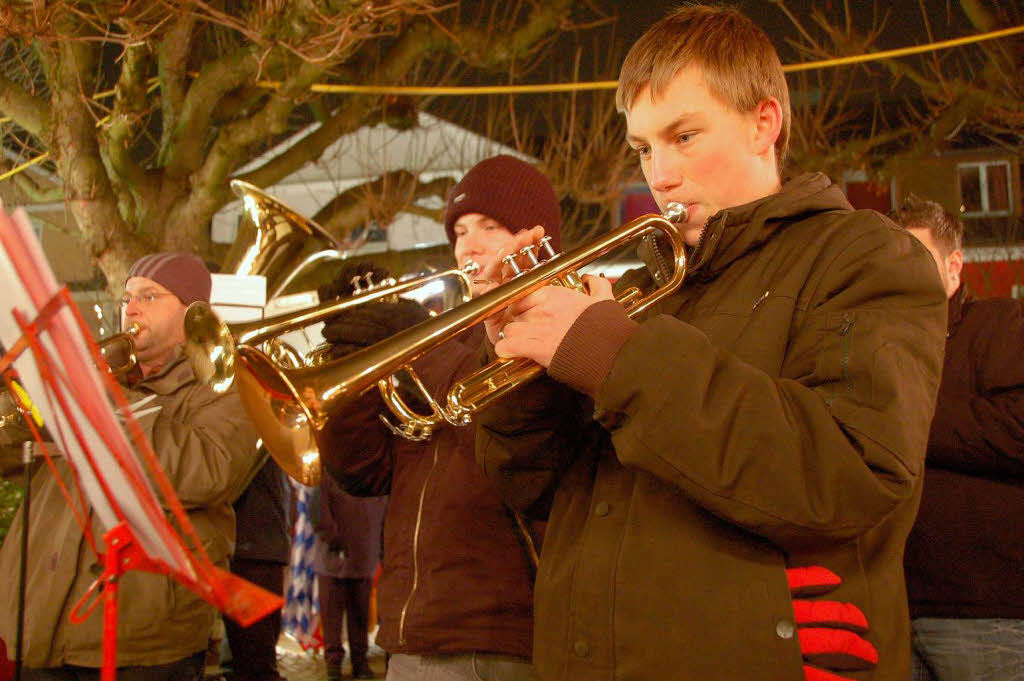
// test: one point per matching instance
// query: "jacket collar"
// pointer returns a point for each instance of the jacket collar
(733, 232)
(956, 309)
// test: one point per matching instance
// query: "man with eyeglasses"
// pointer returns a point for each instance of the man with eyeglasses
(207, 448)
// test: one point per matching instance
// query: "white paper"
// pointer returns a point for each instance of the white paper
(86, 401)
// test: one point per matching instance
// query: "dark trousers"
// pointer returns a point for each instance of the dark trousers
(254, 648)
(186, 669)
(349, 598)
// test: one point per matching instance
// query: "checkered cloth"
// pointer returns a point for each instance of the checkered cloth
(301, 615)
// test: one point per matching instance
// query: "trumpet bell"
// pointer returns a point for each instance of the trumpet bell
(286, 425)
(210, 348)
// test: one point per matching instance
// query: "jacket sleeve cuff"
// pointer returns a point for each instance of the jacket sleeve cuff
(585, 356)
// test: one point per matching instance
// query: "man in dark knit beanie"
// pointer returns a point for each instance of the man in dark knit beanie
(455, 594)
(498, 197)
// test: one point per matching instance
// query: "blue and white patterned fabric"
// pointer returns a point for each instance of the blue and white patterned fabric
(301, 615)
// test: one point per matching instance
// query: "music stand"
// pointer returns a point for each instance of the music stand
(55, 359)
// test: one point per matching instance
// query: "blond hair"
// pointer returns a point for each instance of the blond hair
(739, 63)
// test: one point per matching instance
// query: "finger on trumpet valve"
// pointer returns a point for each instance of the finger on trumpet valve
(357, 286)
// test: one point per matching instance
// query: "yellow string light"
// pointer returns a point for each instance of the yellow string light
(612, 84)
(24, 166)
(904, 51)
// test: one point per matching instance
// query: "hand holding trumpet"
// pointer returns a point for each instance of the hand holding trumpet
(534, 326)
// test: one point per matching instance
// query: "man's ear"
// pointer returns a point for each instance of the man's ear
(955, 265)
(768, 125)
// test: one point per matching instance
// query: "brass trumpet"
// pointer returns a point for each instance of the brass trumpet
(120, 348)
(212, 345)
(291, 408)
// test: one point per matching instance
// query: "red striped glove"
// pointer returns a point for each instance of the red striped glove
(829, 631)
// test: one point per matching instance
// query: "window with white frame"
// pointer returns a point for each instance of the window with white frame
(985, 189)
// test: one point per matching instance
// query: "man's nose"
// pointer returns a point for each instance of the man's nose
(471, 245)
(663, 174)
(132, 308)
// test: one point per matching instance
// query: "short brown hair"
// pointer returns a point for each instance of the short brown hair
(740, 64)
(919, 213)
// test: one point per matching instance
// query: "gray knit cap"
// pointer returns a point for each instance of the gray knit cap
(182, 274)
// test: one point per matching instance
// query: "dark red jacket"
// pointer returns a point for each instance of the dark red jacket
(965, 555)
(454, 578)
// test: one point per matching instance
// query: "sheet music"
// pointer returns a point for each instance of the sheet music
(28, 283)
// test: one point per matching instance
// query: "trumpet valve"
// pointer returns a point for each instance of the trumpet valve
(546, 249)
(357, 285)
(513, 265)
(571, 279)
(528, 253)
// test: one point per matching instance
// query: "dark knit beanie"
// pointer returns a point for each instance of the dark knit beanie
(182, 274)
(508, 190)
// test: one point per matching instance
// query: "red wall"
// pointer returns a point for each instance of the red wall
(994, 279)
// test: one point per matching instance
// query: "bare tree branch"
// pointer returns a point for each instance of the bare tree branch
(75, 149)
(378, 201)
(154, 174)
(127, 115)
(184, 144)
(172, 70)
(31, 113)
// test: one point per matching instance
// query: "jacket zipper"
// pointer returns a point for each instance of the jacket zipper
(844, 333)
(699, 248)
(415, 547)
(662, 272)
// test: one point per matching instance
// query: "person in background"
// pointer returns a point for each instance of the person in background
(455, 593)
(207, 448)
(347, 551)
(965, 555)
(261, 556)
(766, 421)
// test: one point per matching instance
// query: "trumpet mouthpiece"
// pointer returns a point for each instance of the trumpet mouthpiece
(675, 212)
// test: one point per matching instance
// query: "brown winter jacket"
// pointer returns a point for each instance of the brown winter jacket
(965, 555)
(207, 448)
(454, 576)
(772, 413)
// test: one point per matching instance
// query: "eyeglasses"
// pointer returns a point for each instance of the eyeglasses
(144, 300)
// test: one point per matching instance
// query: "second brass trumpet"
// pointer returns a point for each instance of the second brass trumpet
(291, 408)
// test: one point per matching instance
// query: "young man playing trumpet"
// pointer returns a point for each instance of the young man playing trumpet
(455, 594)
(770, 415)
